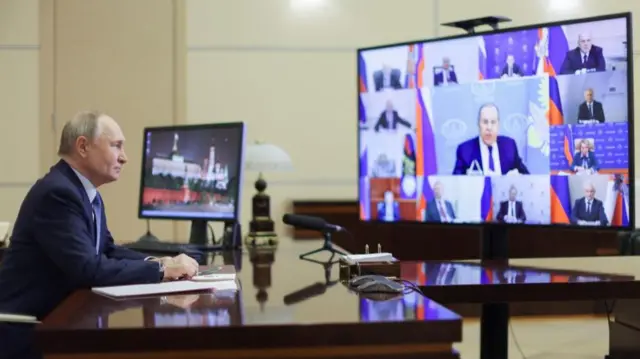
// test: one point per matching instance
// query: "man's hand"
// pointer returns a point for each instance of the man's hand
(175, 271)
(187, 261)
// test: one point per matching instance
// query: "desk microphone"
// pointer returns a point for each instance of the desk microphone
(309, 222)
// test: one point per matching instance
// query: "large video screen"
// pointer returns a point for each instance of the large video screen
(522, 126)
(192, 172)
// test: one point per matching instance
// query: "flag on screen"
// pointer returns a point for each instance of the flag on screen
(560, 199)
(426, 153)
(365, 201)
(482, 58)
(551, 49)
(616, 200)
(408, 186)
(362, 73)
(486, 201)
(568, 144)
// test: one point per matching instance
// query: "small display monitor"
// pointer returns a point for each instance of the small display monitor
(192, 172)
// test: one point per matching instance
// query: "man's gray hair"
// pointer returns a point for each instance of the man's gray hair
(84, 123)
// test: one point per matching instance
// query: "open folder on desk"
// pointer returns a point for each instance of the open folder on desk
(179, 286)
(18, 318)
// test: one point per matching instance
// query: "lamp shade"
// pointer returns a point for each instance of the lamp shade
(265, 157)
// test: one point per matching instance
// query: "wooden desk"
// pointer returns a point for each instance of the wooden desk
(287, 308)
(497, 288)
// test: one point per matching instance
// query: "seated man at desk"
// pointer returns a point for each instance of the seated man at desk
(511, 211)
(584, 161)
(588, 210)
(61, 241)
(389, 209)
(439, 209)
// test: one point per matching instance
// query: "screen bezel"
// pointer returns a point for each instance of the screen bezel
(240, 155)
(630, 125)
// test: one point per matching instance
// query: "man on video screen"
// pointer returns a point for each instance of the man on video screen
(585, 161)
(586, 57)
(588, 210)
(511, 211)
(389, 208)
(390, 119)
(439, 209)
(590, 111)
(489, 153)
(387, 78)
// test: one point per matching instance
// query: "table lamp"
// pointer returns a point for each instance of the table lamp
(263, 157)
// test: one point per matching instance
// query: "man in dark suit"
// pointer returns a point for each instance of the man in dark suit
(390, 119)
(586, 57)
(511, 69)
(446, 75)
(511, 211)
(588, 210)
(389, 209)
(590, 109)
(387, 78)
(61, 241)
(439, 209)
(489, 153)
(585, 160)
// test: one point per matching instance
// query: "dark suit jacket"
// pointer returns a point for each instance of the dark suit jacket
(469, 151)
(504, 208)
(573, 61)
(592, 161)
(53, 253)
(516, 70)
(433, 215)
(384, 123)
(382, 207)
(598, 112)
(438, 78)
(394, 79)
(579, 212)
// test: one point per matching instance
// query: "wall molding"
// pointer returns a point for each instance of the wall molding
(253, 48)
(5, 47)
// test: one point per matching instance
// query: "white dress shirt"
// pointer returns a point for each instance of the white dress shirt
(484, 155)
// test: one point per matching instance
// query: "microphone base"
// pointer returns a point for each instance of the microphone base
(327, 246)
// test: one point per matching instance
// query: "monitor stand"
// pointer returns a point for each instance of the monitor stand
(148, 237)
(199, 236)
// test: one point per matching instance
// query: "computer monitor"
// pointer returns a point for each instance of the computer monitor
(522, 126)
(192, 172)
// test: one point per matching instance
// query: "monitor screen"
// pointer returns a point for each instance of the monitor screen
(519, 126)
(192, 172)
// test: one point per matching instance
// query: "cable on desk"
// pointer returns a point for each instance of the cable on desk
(213, 235)
(609, 312)
(515, 340)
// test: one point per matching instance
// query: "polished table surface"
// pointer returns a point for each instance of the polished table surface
(284, 302)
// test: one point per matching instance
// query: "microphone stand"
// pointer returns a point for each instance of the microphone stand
(326, 246)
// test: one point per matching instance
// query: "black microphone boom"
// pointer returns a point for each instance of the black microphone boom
(310, 222)
(315, 224)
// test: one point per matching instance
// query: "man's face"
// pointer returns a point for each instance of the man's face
(512, 194)
(589, 191)
(437, 190)
(389, 106)
(584, 42)
(584, 149)
(489, 125)
(588, 95)
(105, 157)
(445, 64)
(510, 60)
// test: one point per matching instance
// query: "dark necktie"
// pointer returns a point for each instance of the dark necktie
(584, 59)
(591, 109)
(513, 212)
(97, 216)
(492, 166)
(588, 207)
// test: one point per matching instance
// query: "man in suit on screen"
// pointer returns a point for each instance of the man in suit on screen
(586, 57)
(590, 110)
(511, 69)
(585, 161)
(390, 119)
(389, 208)
(489, 153)
(446, 75)
(511, 211)
(588, 210)
(439, 209)
(61, 241)
(387, 78)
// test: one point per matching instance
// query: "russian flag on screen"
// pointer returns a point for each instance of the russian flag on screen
(552, 48)
(486, 201)
(426, 153)
(560, 200)
(621, 211)
(482, 59)
(365, 201)
(362, 73)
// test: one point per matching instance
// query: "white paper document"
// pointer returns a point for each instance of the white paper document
(369, 257)
(164, 288)
(17, 318)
